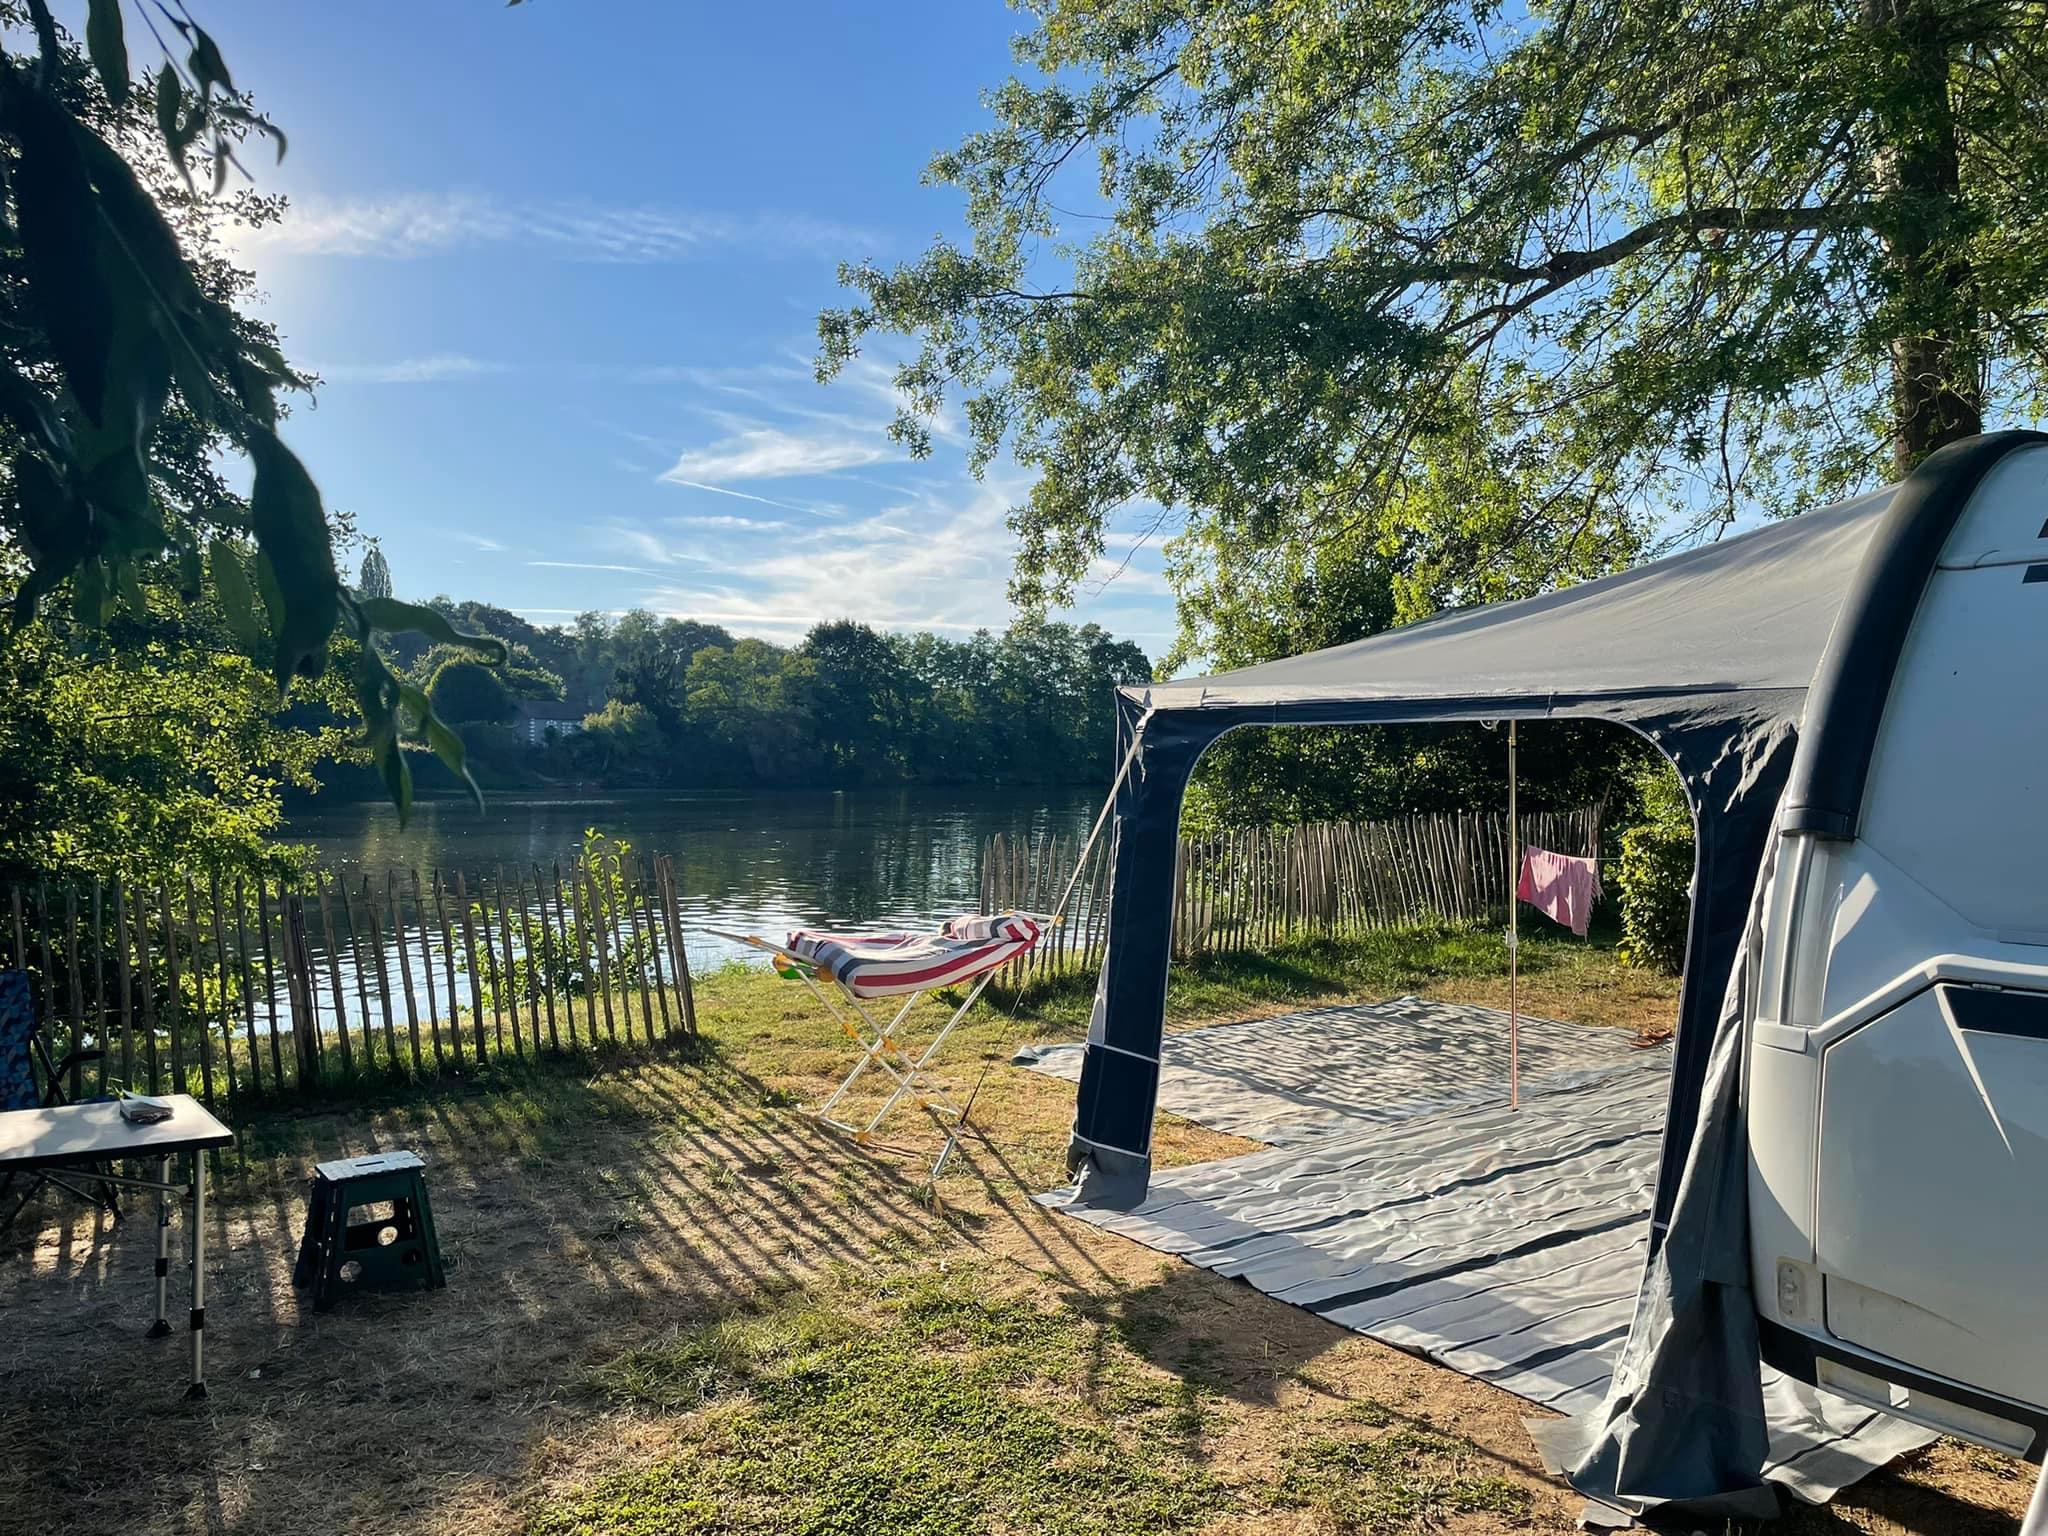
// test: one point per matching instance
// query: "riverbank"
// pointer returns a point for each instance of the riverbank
(676, 1305)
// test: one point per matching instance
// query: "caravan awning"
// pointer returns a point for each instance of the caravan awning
(1723, 656)
(1751, 613)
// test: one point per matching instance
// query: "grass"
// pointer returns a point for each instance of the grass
(1317, 969)
(919, 1403)
(1386, 1481)
(677, 1305)
(933, 1403)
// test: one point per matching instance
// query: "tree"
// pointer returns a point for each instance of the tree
(864, 702)
(750, 704)
(622, 738)
(148, 748)
(1500, 293)
(521, 674)
(124, 367)
(651, 661)
(469, 693)
(374, 579)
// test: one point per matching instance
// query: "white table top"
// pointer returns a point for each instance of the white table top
(91, 1133)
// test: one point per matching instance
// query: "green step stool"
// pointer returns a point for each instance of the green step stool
(389, 1252)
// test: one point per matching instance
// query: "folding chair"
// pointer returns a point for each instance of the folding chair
(30, 1078)
(865, 969)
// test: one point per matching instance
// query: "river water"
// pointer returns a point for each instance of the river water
(759, 863)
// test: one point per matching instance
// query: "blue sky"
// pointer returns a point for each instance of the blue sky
(560, 267)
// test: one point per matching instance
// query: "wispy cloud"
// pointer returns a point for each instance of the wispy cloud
(589, 565)
(440, 368)
(770, 453)
(936, 559)
(932, 563)
(651, 549)
(408, 225)
(767, 501)
(724, 520)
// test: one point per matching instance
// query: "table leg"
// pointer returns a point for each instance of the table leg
(162, 1326)
(198, 1387)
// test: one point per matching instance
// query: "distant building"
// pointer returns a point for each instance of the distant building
(539, 717)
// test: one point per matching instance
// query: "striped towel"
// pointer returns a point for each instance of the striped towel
(891, 964)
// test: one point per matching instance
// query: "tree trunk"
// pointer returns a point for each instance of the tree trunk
(1937, 366)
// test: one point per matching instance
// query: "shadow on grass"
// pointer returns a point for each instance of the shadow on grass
(584, 1200)
(1305, 970)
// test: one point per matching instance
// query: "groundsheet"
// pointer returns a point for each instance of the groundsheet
(1402, 1198)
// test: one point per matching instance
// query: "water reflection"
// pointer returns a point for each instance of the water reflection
(755, 862)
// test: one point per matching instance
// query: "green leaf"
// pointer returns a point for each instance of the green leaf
(191, 572)
(112, 459)
(27, 405)
(106, 43)
(235, 112)
(446, 744)
(128, 582)
(92, 599)
(270, 591)
(169, 97)
(144, 237)
(206, 64)
(238, 599)
(397, 774)
(291, 529)
(67, 292)
(51, 527)
(393, 617)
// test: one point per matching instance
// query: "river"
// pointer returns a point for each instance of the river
(759, 863)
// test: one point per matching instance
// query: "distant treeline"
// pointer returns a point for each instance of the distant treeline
(647, 701)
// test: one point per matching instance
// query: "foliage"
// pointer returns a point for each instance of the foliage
(1284, 775)
(1278, 777)
(1654, 873)
(1498, 296)
(374, 578)
(622, 737)
(559, 954)
(125, 368)
(148, 748)
(677, 702)
(467, 691)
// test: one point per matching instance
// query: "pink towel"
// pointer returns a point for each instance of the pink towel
(1560, 886)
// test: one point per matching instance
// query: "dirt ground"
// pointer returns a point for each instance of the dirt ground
(597, 1219)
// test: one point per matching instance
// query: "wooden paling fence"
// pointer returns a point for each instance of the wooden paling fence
(243, 985)
(1259, 886)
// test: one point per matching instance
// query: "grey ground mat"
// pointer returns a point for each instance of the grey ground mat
(1506, 1244)
(1303, 1076)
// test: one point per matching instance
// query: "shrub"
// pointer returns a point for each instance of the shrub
(468, 692)
(1653, 877)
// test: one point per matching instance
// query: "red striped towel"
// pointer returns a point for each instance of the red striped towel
(891, 964)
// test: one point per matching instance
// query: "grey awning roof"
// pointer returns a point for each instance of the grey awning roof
(1751, 612)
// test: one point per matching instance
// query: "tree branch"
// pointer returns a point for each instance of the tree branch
(1561, 267)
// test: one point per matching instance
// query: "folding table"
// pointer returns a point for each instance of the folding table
(83, 1136)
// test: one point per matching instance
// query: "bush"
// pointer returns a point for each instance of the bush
(1653, 877)
(468, 693)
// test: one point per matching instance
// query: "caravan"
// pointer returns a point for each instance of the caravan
(1897, 1051)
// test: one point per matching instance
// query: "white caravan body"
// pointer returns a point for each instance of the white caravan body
(1896, 1059)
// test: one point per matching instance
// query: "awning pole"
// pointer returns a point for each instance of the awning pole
(1514, 935)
